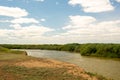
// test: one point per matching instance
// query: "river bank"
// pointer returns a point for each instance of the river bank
(15, 66)
(90, 49)
(108, 67)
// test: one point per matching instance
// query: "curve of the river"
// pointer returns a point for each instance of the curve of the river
(106, 67)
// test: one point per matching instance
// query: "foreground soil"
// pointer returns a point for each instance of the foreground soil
(22, 67)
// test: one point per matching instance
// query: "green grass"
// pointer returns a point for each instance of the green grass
(23, 73)
(12, 72)
(100, 77)
(4, 50)
(12, 56)
(7, 54)
(8, 51)
(8, 71)
(94, 49)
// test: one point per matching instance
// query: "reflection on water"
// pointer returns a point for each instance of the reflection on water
(106, 67)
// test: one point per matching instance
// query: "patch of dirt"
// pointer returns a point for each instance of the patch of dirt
(7, 76)
(70, 68)
(43, 63)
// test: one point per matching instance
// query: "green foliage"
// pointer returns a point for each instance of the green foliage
(2, 49)
(97, 50)
(88, 49)
(101, 50)
(69, 47)
(100, 77)
(6, 50)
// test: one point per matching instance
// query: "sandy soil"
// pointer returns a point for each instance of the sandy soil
(71, 68)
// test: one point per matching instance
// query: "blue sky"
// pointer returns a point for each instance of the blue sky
(59, 21)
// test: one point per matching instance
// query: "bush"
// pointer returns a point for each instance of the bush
(98, 50)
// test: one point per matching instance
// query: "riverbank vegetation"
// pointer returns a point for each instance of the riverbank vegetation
(4, 50)
(97, 50)
(15, 65)
(7, 54)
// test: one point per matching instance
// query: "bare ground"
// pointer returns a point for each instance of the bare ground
(49, 63)
(54, 70)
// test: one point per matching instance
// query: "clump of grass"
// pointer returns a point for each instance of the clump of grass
(2, 49)
(24, 73)
(8, 54)
(6, 50)
(99, 77)
(43, 73)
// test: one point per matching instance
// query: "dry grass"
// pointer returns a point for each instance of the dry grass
(22, 67)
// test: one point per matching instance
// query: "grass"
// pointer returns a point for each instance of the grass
(9, 71)
(23, 73)
(8, 51)
(100, 77)
(12, 56)
(7, 54)
(89, 49)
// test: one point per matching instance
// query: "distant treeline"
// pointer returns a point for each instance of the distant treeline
(4, 50)
(97, 50)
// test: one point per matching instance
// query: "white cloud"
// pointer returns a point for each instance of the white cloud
(42, 20)
(2, 21)
(17, 33)
(93, 6)
(76, 21)
(40, 0)
(118, 0)
(24, 20)
(26, 34)
(87, 29)
(12, 12)
(34, 30)
(16, 26)
(80, 29)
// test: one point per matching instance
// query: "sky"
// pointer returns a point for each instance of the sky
(59, 21)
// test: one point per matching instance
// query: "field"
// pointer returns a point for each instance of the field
(15, 65)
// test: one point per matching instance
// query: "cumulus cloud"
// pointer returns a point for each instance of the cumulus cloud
(79, 29)
(18, 32)
(118, 0)
(12, 12)
(87, 29)
(24, 20)
(31, 31)
(93, 6)
(40, 0)
(21, 34)
(77, 20)
(2, 21)
(42, 20)
(16, 26)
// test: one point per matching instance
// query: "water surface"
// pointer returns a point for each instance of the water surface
(106, 67)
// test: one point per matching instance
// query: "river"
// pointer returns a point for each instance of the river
(106, 67)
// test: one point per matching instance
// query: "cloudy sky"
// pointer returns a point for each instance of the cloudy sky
(59, 21)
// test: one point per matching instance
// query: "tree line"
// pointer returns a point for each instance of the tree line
(97, 50)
